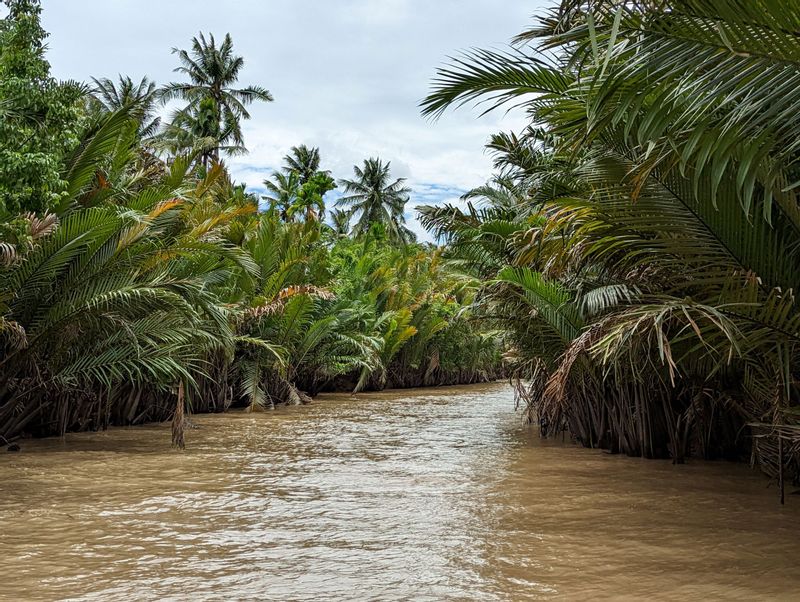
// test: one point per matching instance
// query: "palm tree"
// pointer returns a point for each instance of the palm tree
(340, 222)
(301, 168)
(111, 300)
(310, 200)
(139, 99)
(304, 160)
(282, 191)
(215, 107)
(647, 287)
(155, 285)
(374, 198)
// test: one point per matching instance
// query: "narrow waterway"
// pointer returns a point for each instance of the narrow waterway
(437, 494)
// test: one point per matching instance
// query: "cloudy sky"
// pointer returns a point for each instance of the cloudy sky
(346, 75)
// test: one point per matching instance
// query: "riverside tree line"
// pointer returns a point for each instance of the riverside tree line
(137, 278)
(633, 262)
(640, 243)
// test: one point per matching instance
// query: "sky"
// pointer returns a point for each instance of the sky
(347, 75)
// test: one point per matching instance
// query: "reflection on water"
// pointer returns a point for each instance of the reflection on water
(423, 495)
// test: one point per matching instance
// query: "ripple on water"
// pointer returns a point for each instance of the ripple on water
(429, 494)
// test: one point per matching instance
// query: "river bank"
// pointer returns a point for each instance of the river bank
(425, 494)
(131, 406)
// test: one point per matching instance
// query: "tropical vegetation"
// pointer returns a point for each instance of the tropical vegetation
(639, 243)
(632, 263)
(138, 280)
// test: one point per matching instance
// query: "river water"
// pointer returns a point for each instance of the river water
(437, 494)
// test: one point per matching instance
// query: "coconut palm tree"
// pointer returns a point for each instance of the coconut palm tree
(313, 184)
(215, 107)
(139, 98)
(340, 222)
(311, 197)
(300, 187)
(282, 191)
(303, 160)
(373, 198)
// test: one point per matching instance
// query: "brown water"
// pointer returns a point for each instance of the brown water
(425, 495)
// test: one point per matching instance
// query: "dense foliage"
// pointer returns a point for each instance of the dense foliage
(136, 276)
(640, 241)
(37, 115)
(634, 258)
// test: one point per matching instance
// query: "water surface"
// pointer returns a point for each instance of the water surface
(437, 494)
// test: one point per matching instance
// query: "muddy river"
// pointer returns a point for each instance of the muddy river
(437, 494)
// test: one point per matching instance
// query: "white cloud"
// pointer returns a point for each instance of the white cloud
(347, 75)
